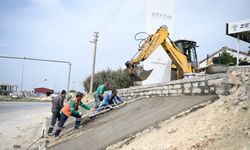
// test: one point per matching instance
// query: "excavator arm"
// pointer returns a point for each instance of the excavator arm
(178, 59)
(149, 46)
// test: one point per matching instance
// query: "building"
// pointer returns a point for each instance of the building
(6, 89)
(233, 52)
(43, 90)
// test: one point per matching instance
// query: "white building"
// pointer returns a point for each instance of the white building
(233, 52)
(6, 89)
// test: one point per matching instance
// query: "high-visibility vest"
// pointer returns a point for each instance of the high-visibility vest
(66, 108)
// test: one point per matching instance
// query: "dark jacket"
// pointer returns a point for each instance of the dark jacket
(57, 103)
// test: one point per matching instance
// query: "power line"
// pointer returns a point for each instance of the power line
(112, 13)
(116, 11)
(111, 10)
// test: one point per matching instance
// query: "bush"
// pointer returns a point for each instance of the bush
(117, 79)
(225, 58)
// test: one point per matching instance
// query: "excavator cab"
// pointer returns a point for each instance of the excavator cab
(188, 48)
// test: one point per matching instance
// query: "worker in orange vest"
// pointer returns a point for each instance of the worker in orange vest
(71, 109)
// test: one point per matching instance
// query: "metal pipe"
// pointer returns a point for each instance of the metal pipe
(69, 77)
(36, 59)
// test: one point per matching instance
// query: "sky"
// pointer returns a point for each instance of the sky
(63, 29)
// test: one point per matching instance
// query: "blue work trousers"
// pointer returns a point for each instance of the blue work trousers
(64, 119)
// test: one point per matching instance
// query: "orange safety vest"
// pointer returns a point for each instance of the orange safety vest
(66, 108)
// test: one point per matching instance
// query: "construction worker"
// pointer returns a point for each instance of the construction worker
(98, 95)
(57, 105)
(71, 109)
(110, 99)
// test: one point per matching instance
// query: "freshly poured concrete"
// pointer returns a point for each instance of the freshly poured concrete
(118, 124)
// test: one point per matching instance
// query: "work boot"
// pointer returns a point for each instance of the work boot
(57, 133)
(50, 131)
(78, 127)
(77, 123)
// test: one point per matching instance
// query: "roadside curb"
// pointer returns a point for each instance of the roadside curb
(42, 143)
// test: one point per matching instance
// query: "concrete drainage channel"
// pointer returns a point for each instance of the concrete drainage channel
(42, 143)
(118, 124)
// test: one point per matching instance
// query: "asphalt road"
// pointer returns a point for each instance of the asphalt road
(118, 124)
(15, 120)
(6, 107)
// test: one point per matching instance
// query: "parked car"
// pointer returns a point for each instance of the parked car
(16, 95)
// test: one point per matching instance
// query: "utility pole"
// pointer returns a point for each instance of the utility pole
(21, 90)
(22, 79)
(94, 58)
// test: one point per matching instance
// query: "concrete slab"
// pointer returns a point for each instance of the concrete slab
(118, 124)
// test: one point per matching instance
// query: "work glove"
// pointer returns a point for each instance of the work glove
(80, 113)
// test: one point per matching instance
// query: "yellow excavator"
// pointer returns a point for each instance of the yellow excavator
(181, 52)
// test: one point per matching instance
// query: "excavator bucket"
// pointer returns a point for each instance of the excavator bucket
(216, 68)
(140, 74)
(137, 73)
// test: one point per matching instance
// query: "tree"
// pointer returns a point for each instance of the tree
(225, 58)
(72, 91)
(117, 79)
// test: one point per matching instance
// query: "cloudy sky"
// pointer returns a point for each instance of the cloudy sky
(62, 29)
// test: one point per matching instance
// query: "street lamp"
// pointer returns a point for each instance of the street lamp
(40, 81)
